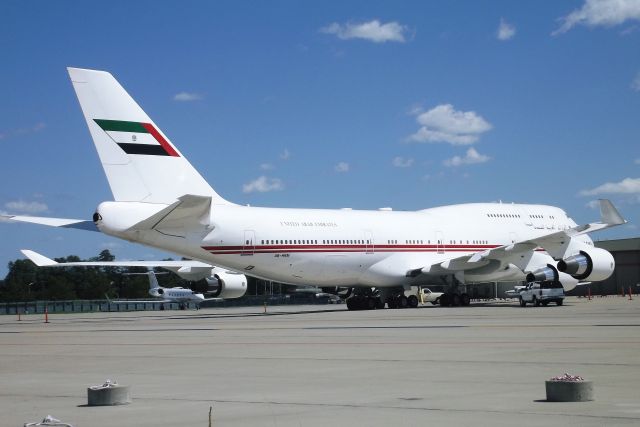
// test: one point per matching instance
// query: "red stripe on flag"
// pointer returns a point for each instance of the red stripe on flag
(163, 142)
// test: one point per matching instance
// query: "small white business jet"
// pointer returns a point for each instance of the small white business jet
(160, 200)
(176, 294)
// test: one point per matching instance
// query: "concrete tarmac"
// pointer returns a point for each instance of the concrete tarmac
(483, 365)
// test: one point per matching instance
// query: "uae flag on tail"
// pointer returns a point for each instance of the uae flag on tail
(137, 137)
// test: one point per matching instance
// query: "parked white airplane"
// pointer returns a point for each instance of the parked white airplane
(175, 294)
(160, 200)
(225, 284)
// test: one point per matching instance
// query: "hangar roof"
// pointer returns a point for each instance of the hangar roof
(632, 244)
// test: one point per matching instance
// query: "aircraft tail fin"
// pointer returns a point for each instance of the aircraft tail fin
(153, 280)
(140, 162)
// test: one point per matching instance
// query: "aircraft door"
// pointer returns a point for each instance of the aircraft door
(368, 241)
(440, 242)
(249, 245)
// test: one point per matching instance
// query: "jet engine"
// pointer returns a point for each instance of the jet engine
(227, 285)
(551, 274)
(544, 274)
(593, 264)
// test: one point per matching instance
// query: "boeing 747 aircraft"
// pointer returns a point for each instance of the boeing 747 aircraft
(160, 200)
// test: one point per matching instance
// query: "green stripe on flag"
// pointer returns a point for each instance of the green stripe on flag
(121, 126)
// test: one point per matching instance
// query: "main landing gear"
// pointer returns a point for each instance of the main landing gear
(456, 293)
(372, 298)
(451, 299)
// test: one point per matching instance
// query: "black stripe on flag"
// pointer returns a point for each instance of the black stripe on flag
(154, 150)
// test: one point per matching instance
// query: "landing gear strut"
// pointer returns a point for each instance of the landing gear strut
(455, 295)
(373, 298)
(364, 299)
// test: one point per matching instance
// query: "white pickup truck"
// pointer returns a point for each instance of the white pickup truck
(425, 295)
(542, 293)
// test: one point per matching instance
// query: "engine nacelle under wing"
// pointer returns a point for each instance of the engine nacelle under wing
(227, 285)
(551, 274)
(593, 264)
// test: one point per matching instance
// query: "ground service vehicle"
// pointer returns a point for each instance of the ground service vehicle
(427, 295)
(542, 293)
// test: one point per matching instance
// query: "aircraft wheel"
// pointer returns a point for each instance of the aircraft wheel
(465, 301)
(536, 302)
(379, 303)
(445, 300)
(413, 301)
(455, 300)
(559, 302)
(403, 302)
(350, 304)
(370, 303)
(523, 303)
(392, 303)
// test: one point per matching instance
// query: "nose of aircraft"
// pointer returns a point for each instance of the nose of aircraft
(199, 296)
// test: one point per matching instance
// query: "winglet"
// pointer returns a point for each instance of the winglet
(37, 259)
(610, 214)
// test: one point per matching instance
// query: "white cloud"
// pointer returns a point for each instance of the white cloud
(471, 158)
(26, 207)
(285, 155)
(605, 13)
(401, 162)
(266, 166)
(263, 185)
(444, 124)
(505, 30)
(342, 167)
(415, 109)
(593, 204)
(23, 131)
(187, 96)
(372, 31)
(626, 186)
(635, 84)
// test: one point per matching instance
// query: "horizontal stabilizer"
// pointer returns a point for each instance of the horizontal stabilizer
(79, 224)
(188, 212)
(42, 261)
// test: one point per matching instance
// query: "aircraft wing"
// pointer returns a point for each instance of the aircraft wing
(79, 224)
(42, 261)
(556, 244)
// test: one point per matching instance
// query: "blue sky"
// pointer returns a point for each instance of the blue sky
(361, 104)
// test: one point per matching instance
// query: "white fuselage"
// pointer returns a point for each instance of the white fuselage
(355, 248)
(176, 294)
